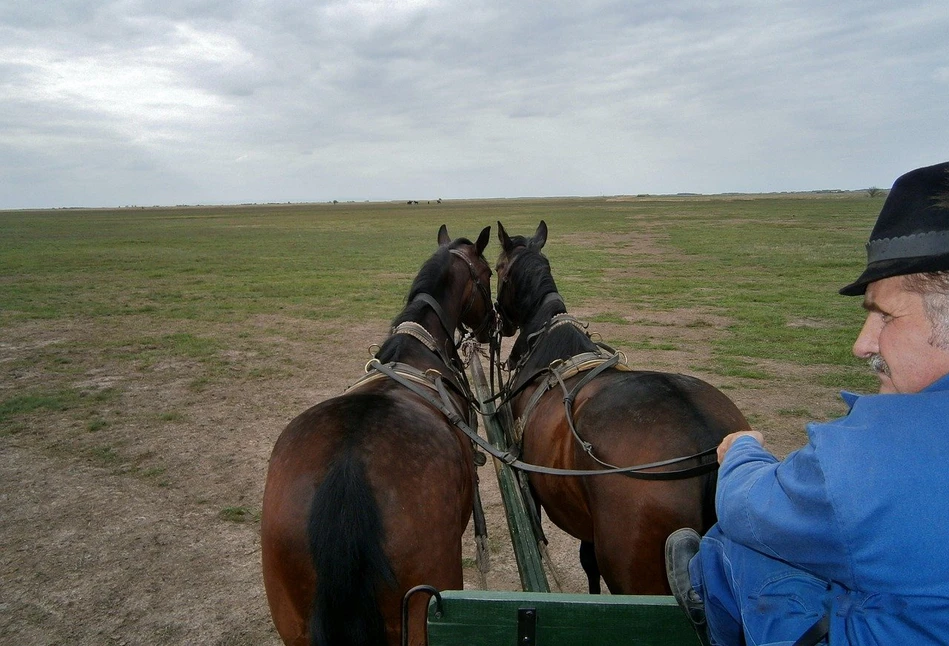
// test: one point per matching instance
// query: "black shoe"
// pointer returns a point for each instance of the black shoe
(681, 546)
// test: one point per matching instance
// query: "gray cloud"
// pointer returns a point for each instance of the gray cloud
(184, 102)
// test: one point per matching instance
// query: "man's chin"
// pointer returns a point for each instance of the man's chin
(886, 384)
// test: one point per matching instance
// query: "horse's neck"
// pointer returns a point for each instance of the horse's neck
(534, 327)
(408, 348)
(434, 316)
(561, 342)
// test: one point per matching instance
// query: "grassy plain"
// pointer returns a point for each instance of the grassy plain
(150, 357)
(769, 264)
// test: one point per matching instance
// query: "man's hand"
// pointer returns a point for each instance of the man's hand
(730, 439)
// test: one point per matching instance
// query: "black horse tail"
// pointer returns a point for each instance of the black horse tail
(346, 536)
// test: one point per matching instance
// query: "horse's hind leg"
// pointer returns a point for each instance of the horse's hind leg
(590, 566)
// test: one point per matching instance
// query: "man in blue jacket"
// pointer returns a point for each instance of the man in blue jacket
(846, 541)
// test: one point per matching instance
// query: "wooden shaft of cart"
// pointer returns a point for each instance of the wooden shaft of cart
(523, 538)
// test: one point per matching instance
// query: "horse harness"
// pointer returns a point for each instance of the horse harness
(593, 363)
(422, 382)
(403, 373)
(430, 385)
(482, 289)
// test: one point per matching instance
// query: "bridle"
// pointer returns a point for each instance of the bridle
(503, 283)
(482, 289)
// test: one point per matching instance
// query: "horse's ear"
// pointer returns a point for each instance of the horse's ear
(443, 237)
(504, 238)
(540, 237)
(483, 240)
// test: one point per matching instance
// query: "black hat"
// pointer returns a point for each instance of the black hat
(911, 236)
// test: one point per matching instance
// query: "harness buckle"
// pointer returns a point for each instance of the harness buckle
(518, 431)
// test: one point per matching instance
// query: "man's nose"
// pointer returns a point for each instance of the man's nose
(867, 343)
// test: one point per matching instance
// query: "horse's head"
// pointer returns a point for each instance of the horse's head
(477, 312)
(523, 276)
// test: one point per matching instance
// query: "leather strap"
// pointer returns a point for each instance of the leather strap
(641, 471)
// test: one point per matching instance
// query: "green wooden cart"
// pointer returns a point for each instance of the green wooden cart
(490, 618)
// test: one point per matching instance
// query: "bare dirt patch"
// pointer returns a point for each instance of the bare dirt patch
(130, 496)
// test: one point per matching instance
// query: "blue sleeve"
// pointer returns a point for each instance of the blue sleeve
(781, 509)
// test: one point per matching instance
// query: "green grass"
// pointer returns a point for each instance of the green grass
(238, 515)
(29, 403)
(348, 262)
(761, 262)
(768, 266)
(105, 455)
(96, 425)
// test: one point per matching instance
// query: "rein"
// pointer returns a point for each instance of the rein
(443, 404)
(430, 386)
(429, 383)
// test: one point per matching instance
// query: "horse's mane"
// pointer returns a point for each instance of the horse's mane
(432, 279)
(534, 281)
(561, 343)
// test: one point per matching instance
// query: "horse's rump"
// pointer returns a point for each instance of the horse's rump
(394, 470)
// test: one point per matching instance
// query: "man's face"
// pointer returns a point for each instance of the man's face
(898, 330)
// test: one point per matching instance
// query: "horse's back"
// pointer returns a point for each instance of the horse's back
(681, 408)
(387, 429)
(641, 417)
(629, 418)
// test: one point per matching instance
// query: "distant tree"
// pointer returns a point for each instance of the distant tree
(873, 191)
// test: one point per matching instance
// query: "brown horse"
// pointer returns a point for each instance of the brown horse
(368, 493)
(581, 408)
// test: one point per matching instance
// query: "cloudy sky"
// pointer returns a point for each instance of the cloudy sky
(124, 102)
